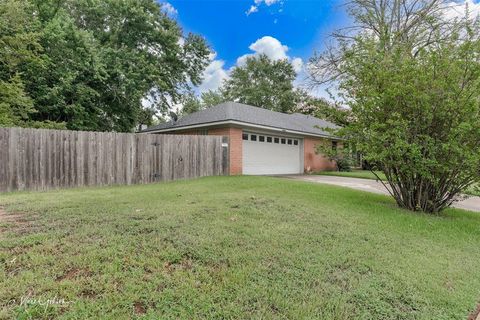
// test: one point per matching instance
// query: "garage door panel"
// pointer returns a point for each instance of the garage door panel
(271, 158)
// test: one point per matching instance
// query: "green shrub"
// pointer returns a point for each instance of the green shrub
(344, 164)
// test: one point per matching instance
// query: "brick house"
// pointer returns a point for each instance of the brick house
(260, 141)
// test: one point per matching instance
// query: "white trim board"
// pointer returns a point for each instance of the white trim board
(243, 124)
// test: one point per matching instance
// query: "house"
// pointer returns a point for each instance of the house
(261, 141)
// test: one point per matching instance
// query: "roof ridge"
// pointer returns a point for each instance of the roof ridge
(249, 115)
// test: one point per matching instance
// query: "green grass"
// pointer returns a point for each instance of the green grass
(362, 174)
(234, 248)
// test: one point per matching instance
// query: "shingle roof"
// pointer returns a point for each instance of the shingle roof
(250, 115)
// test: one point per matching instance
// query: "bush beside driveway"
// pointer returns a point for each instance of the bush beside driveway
(467, 202)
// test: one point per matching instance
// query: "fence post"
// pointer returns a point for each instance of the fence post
(225, 156)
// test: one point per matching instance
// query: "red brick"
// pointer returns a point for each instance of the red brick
(313, 161)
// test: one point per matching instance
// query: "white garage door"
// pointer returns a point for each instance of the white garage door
(270, 154)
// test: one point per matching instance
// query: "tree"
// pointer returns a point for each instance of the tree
(323, 109)
(212, 98)
(412, 80)
(263, 83)
(191, 104)
(15, 106)
(97, 60)
(67, 87)
(18, 46)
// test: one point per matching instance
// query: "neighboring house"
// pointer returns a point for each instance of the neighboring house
(261, 141)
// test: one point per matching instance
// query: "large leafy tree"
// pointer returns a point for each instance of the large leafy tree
(19, 45)
(144, 52)
(412, 80)
(67, 87)
(260, 82)
(192, 103)
(263, 83)
(100, 59)
(212, 98)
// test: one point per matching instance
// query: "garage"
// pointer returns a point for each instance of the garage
(260, 141)
(271, 154)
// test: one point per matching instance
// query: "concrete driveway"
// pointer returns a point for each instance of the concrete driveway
(472, 203)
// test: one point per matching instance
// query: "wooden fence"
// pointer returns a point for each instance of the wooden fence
(38, 159)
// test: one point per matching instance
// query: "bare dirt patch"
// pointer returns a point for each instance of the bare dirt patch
(16, 222)
(475, 315)
(9, 218)
(88, 294)
(139, 308)
(184, 264)
(73, 273)
(69, 275)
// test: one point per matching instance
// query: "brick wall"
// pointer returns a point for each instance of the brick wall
(313, 161)
(236, 146)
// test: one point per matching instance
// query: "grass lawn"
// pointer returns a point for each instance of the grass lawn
(233, 248)
(362, 174)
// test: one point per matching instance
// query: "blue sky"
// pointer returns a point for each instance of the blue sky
(291, 29)
(299, 24)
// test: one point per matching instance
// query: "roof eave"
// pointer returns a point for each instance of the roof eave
(242, 123)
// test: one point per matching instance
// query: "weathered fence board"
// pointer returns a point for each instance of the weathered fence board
(40, 159)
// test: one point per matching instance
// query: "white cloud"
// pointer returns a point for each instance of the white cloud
(297, 64)
(267, 45)
(213, 75)
(169, 9)
(251, 10)
(270, 46)
(458, 9)
(257, 3)
(267, 2)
